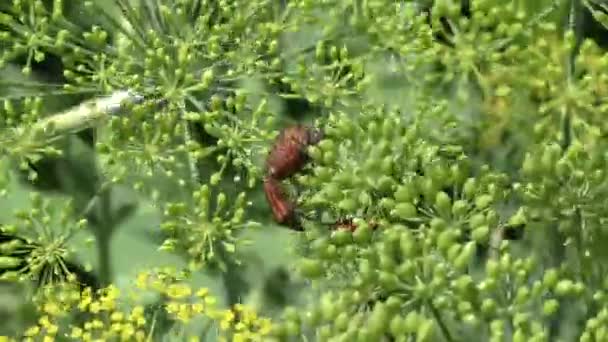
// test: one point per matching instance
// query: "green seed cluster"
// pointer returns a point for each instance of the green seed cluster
(39, 243)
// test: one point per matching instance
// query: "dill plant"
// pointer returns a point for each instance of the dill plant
(464, 140)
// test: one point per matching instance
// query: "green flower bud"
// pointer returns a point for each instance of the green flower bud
(367, 272)
(564, 287)
(320, 51)
(388, 280)
(425, 331)
(438, 224)
(315, 153)
(364, 335)
(518, 219)
(443, 204)
(464, 259)
(405, 193)
(477, 220)
(379, 319)
(483, 201)
(342, 237)
(332, 192)
(9, 262)
(411, 321)
(529, 166)
(469, 188)
(522, 296)
(348, 205)
(408, 244)
(454, 251)
(344, 180)
(363, 233)
(460, 208)
(550, 307)
(329, 309)
(446, 239)
(429, 188)
(341, 322)
(387, 203)
(481, 234)
(489, 307)
(310, 268)
(492, 268)
(519, 336)
(550, 278)
(397, 326)
(404, 211)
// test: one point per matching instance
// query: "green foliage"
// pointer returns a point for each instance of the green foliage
(458, 192)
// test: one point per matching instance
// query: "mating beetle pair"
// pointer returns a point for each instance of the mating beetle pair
(287, 157)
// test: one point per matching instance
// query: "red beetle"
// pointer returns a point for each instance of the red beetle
(283, 209)
(288, 155)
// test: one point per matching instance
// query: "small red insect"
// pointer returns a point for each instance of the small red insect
(283, 209)
(288, 156)
(349, 224)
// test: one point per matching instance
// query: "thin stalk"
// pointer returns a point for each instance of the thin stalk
(573, 24)
(440, 322)
(103, 257)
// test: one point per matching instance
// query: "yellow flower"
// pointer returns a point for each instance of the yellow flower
(76, 332)
(183, 313)
(52, 308)
(44, 321)
(142, 280)
(265, 326)
(239, 337)
(228, 318)
(172, 307)
(197, 308)
(210, 300)
(136, 313)
(137, 316)
(177, 291)
(240, 326)
(107, 300)
(140, 336)
(127, 332)
(52, 329)
(32, 331)
(117, 316)
(116, 327)
(97, 324)
(202, 292)
(95, 307)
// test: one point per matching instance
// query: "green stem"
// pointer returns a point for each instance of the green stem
(235, 284)
(575, 25)
(104, 263)
(103, 232)
(440, 322)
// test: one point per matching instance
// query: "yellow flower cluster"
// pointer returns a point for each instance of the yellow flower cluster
(101, 320)
(237, 324)
(103, 315)
(243, 324)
